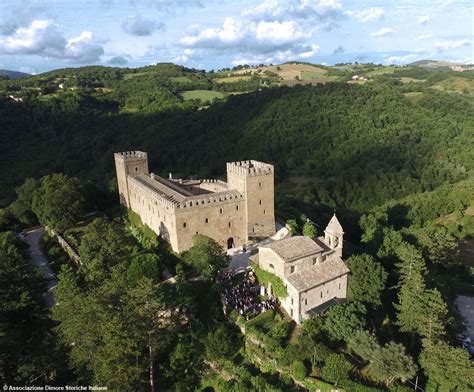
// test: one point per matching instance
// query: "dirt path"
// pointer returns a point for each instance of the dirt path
(32, 238)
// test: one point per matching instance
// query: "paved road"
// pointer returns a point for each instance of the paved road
(32, 239)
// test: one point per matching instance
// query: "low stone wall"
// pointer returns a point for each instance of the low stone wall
(65, 245)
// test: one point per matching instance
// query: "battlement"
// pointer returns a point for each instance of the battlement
(130, 155)
(212, 181)
(213, 198)
(249, 168)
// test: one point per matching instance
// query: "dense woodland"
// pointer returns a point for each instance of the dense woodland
(394, 159)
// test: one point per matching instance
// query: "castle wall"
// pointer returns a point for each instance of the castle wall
(156, 213)
(260, 205)
(217, 220)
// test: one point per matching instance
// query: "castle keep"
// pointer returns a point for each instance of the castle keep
(230, 212)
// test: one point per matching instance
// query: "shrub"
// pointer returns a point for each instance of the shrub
(299, 370)
(336, 369)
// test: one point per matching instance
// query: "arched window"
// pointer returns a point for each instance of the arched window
(272, 266)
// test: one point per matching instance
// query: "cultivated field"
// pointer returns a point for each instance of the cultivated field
(203, 95)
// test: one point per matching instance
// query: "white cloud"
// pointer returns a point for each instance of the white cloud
(186, 56)
(269, 32)
(140, 26)
(447, 45)
(423, 37)
(402, 59)
(368, 15)
(424, 19)
(251, 42)
(384, 31)
(323, 15)
(162, 5)
(43, 38)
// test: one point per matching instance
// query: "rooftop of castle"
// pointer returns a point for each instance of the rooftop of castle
(175, 193)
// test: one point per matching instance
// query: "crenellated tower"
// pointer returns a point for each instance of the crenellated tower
(129, 163)
(255, 180)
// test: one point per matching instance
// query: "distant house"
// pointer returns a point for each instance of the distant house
(312, 271)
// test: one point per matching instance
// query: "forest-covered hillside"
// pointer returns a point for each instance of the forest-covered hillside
(391, 149)
(347, 145)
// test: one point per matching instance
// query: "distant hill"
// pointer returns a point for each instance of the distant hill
(13, 74)
(433, 63)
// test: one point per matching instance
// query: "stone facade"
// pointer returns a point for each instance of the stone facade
(231, 212)
(312, 271)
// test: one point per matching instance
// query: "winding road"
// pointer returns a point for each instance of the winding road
(32, 238)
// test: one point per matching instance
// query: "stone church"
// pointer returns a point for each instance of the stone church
(230, 212)
(312, 270)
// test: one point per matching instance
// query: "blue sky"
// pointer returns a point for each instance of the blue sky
(37, 36)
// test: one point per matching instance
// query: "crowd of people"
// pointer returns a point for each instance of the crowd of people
(245, 296)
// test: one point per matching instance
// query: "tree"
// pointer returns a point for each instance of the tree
(28, 346)
(438, 245)
(310, 339)
(309, 229)
(207, 256)
(372, 228)
(103, 245)
(367, 279)
(336, 368)
(447, 367)
(419, 310)
(292, 225)
(144, 264)
(388, 363)
(343, 320)
(222, 343)
(299, 370)
(392, 364)
(21, 207)
(58, 201)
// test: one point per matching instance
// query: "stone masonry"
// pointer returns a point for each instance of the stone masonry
(232, 212)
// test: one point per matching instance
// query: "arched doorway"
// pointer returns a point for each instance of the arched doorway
(230, 243)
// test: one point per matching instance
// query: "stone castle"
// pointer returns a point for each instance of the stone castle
(232, 212)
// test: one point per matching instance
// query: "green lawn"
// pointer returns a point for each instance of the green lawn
(181, 79)
(203, 95)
